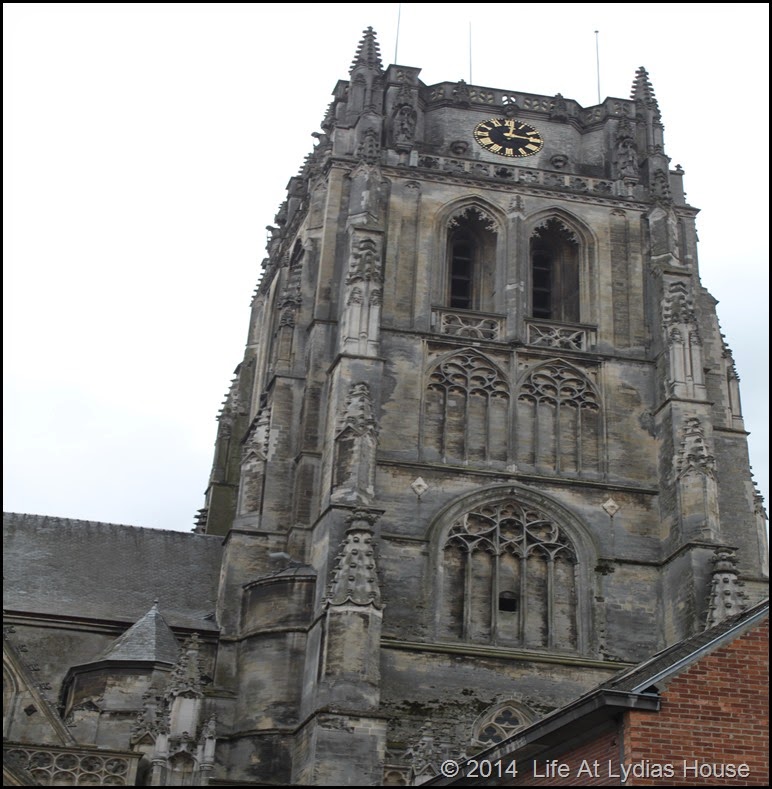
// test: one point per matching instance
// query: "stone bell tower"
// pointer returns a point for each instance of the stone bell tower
(484, 447)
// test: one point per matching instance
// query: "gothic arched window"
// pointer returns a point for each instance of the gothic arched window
(466, 410)
(508, 577)
(554, 273)
(471, 261)
(559, 424)
(499, 722)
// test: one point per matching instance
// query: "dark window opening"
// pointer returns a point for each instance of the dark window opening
(508, 602)
(462, 249)
(470, 274)
(491, 734)
(555, 273)
(542, 286)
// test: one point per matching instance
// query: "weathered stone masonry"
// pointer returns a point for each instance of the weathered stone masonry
(483, 449)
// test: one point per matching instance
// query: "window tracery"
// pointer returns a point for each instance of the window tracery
(466, 410)
(508, 550)
(559, 420)
(500, 722)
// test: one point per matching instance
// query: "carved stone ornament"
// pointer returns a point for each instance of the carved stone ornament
(357, 415)
(626, 155)
(551, 225)
(727, 597)
(473, 212)
(559, 108)
(678, 305)
(355, 579)
(694, 455)
(257, 442)
(369, 149)
(461, 94)
(559, 161)
(660, 186)
(404, 123)
(365, 263)
(508, 526)
(419, 486)
(186, 677)
(559, 384)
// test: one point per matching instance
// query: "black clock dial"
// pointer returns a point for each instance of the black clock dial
(508, 137)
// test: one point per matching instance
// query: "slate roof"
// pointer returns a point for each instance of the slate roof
(63, 567)
(149, 639)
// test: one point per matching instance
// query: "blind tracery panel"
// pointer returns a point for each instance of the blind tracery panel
(466, 411)
(559, 421)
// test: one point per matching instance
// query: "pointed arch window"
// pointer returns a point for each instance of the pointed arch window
(554, 252)
(501, 721)
(471, 261)
(508, 575)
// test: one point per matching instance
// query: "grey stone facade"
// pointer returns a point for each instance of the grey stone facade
(483, 449)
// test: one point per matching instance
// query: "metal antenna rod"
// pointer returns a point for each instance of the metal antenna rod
(470, 52)
(396, 43)
(597, 63)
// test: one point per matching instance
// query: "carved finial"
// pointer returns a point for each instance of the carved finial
(369, 150)
(368, 53)
(642, 90)
(726, 597)
(355, 579)
(694, 455)
(357, 413)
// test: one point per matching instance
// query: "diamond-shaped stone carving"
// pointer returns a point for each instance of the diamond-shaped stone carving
(611, 507)
(419, 487)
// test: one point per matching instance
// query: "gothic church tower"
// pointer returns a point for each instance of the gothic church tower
(485, 445)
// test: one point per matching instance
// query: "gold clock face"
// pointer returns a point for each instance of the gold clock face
(508, 137)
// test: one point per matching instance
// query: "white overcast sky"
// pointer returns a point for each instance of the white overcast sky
(147, 146)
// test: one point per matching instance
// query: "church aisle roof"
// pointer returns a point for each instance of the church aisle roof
(60, 567)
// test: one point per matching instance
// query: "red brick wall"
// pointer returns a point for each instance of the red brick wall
(714, 712)
(580, 764)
